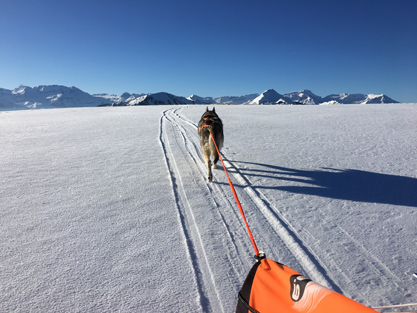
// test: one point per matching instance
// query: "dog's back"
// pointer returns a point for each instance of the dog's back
(210, 122)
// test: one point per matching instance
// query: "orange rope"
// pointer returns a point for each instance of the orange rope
(236, 198)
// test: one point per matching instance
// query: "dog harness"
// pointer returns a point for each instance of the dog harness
(207, 125)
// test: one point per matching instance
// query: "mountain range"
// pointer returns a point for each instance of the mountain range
(56, 96)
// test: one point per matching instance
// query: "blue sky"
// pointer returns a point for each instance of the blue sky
(212, 48)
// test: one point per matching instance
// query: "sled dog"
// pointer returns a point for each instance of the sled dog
(210, 121)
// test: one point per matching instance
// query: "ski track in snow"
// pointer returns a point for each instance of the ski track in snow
(178, 196)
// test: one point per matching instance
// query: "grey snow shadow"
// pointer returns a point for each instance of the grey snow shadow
(354, 185)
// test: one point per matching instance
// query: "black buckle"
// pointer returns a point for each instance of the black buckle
(260, 256)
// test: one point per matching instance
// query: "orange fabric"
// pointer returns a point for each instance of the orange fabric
(274, 288)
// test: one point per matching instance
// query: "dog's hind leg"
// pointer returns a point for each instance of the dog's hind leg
(206, 154)
(215, 159)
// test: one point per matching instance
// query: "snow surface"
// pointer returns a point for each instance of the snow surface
(108, 210)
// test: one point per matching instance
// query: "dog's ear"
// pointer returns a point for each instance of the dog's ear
(207, 109)
(214, 110)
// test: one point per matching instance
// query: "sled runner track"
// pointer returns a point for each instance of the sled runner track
(185, 120)
(181, 153)
(217, 195)
(191, 253)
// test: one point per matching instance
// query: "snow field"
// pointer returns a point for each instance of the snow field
(108, 210)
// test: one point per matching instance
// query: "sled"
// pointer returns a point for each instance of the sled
(274, 287)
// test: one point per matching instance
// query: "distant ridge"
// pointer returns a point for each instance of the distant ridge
(307, 97)
(49, 96)
(154, 99)
(57, 96)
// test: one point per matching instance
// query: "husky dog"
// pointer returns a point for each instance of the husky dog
(210, 122)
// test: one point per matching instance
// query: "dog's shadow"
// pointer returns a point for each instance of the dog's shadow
(354, 185)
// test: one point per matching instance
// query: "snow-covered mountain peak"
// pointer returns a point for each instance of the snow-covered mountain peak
(19, 90)
(372, 96)
(308, 93)
(200, 100)
(270, 92)
(358, 98)
(268, 96)
(304, 96)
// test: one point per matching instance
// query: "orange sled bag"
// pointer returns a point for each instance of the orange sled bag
(274, 287)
